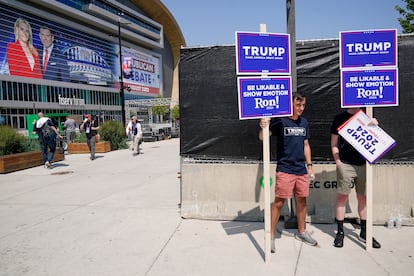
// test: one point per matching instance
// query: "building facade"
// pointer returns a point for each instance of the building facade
(84, 57)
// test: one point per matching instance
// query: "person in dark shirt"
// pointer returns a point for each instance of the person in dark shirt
(294, 166)
(90, 127)
(350, 172)
(47, 133)
(53, 63)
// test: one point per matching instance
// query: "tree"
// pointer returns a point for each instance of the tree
(159, 110)
(175, 112)
(407, 19)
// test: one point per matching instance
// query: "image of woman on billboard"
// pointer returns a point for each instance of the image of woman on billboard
(22, 56)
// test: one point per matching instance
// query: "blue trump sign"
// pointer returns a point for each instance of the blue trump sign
(369, 48)
(369, 87)
(264, 97)
(262, 53)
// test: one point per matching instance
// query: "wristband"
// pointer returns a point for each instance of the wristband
(309, 165)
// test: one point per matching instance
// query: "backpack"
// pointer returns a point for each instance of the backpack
(46, 130)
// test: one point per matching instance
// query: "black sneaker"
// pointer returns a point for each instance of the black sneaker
(339, 240)
(375, 243)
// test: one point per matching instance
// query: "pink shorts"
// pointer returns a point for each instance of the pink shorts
(287, 183)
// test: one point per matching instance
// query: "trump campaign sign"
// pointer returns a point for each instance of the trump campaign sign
(370, 48)
(264, 97)
(262, 53)
(369, 72)
(369, 140)
(369, 87)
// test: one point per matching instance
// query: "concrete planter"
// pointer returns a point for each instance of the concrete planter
(101, 147)
(24, 160)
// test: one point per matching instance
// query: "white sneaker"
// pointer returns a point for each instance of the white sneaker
(47, 165)
(306, 238)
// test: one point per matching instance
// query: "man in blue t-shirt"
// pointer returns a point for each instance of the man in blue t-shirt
(294, 166)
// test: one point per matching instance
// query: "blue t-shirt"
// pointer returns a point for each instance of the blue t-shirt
(291, 135)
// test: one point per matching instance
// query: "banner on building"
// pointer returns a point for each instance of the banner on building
(72, 55)
(141, 72)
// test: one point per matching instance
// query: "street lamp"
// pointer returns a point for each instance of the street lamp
(292, 221)
(121, 77)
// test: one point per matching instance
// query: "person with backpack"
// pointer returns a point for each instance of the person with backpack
(47, 133)
(91, 128)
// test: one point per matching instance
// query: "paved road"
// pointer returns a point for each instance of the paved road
(119, 215)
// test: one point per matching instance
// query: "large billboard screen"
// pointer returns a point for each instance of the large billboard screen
(35, 47)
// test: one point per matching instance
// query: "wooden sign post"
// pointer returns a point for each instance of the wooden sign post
(266, 181)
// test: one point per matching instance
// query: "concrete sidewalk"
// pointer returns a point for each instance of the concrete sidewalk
(119, 215)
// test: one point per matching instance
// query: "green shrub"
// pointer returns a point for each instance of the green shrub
(30, 144)
(114, 133)
(10, 141)
(80, 137)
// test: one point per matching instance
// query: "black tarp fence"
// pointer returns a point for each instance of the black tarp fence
(209, 119)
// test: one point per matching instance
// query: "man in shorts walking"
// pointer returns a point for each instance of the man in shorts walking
(293, 166)
(350, 172)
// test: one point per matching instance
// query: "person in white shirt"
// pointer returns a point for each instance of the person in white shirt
(134, 131)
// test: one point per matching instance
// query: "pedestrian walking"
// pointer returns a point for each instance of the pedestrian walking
(47, 133)
(91, 128)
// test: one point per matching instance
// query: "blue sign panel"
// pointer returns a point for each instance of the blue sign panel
(262, 53)
(368, 48)
(264, 97)
(369, 88)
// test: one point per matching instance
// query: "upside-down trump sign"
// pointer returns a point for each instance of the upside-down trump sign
(369, 140)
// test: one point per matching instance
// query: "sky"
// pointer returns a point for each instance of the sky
(214, 22)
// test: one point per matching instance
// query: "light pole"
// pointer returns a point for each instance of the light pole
(292, 221)
(291, 30)
(121, 77)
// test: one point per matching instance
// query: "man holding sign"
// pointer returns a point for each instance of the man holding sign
(293, 166)
(350, 171)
